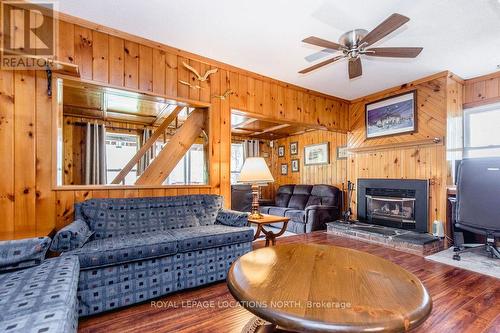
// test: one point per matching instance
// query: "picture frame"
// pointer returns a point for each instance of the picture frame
(295, 165)
(341, 152)
(294, 148)
(284, 169)
(317, 154)
(281, 151)
(394, 115)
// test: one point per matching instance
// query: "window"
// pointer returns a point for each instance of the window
(120, 148)
(191, 169)
(237, 159)
(482, 131)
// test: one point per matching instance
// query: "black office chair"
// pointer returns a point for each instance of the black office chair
(478, 204)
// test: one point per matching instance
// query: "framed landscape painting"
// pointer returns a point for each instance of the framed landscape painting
(392, 115)
(317, 154)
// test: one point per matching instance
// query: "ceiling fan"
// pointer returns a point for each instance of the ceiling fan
(356, 42)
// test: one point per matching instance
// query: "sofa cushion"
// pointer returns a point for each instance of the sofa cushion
(126, 248)
(232, 218)
(198, 238)
(296, 215)
(265, 209)
(278, 211)
(71, 237)
(283, 196)
(41, 298)
(325, 195)
(300, 195)
(117, 217)
(22, 253)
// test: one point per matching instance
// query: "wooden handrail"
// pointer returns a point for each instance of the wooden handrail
(147, 145)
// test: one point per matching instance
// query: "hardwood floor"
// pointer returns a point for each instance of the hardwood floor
(463, 301)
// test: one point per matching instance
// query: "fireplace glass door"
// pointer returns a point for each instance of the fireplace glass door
(394, 211)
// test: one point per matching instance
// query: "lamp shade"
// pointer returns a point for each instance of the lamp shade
(255, 171)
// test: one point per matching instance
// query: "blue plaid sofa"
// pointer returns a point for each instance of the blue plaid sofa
(143, 248)
(37, 295)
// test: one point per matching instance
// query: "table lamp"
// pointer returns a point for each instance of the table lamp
(256, 173)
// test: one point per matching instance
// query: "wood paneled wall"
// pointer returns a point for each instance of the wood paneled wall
(482, 90)
(27, 198)
(333, 173)
(410, 156)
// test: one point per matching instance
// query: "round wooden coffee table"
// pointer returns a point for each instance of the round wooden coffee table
(320, 288)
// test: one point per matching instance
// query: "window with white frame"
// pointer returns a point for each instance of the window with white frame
(482, 131)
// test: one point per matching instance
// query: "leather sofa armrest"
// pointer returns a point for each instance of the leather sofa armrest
(232, 218)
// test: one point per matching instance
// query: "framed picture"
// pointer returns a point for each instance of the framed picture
(392, 115)
(281, 151)
(294, 148)
(295, 165)
(284, 169)
(317, 154)
(342, 152)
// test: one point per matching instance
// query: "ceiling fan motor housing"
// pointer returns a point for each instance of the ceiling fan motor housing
(351, 39)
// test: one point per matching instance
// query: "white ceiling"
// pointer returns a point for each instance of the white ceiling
(264, 36)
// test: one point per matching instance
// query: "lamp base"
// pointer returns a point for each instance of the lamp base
(256, 216)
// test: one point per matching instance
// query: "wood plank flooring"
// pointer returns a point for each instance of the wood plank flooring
(463, 301)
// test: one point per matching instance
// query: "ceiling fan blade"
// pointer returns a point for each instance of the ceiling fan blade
(394, 52)
(322, 42)
(321, 64)
(383, 29)
(355, 68)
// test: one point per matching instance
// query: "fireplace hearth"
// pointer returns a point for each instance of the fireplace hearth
(396, 203)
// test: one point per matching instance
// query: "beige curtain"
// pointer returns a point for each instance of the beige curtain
(251, 148)
(95, 155)
(149, 155)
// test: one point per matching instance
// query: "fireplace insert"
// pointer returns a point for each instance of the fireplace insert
(397, 203)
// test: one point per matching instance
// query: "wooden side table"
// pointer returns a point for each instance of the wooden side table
(268, 220)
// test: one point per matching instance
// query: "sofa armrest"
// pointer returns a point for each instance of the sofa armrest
(22, 253)
(72, 236)
(318, 215)
(232, 218)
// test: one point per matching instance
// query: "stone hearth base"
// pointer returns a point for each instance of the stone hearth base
(398, 239)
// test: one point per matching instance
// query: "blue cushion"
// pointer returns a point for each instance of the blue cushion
(71, 236)
(232, 218)
(117, 217)
(265, 209)
(41, 298)
(278, 211)
(127, 248)
(22, 253)
(205, 237)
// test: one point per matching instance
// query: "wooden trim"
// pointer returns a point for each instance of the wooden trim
(492, 100)
(168, 99)
(126, 187)
(147, 145)
(425, 142)
(493, 75)
(221, 65)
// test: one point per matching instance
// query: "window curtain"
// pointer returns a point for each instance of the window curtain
(95, 155)
(149, 155)
(251, 148)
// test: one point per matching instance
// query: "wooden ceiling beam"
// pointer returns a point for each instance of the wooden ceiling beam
(174, 150)
(147, 145)
(272, 129)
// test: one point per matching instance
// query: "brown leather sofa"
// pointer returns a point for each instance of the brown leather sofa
(309, 207)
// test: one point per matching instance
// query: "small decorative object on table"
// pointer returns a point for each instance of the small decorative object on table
(256, 173)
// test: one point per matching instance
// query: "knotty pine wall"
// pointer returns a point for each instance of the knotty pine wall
(27, 199)
(482, 90)
(334, 173)
(408, 156)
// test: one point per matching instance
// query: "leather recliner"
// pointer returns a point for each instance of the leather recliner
(309, 207)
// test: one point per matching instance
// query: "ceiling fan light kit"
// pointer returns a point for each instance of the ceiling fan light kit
(355, 43)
